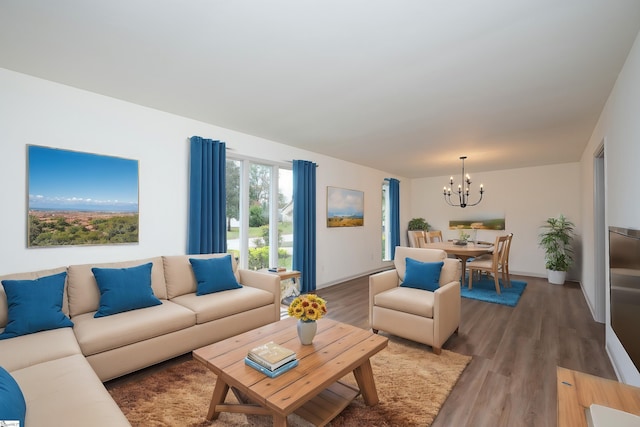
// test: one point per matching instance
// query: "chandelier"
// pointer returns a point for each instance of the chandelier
(463, 194)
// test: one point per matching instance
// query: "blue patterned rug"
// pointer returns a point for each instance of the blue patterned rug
(485, 290)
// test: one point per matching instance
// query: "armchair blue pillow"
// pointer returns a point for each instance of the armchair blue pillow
(214, 275)
(12, 404)
(124, 289)
(422, 275)
(35, 305)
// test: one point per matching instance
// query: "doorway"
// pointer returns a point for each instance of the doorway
(600, 235)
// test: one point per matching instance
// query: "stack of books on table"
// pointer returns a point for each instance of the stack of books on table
(271, 359)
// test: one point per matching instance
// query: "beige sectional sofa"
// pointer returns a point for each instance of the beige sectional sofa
(61, 371)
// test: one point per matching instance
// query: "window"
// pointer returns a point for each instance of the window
(386, 222)
(259, 213)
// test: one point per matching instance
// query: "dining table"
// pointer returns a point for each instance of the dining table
(463, 252)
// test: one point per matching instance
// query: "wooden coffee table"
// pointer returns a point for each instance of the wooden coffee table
(311, 390)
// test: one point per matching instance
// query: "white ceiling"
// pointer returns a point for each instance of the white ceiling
(404, 86)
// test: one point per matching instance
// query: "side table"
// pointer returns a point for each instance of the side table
(577, 391)
(289, 284)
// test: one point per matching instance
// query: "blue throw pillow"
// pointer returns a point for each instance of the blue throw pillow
(422, 275)
(12, 404)
(124, 289)
(214, 275)
(35, 305)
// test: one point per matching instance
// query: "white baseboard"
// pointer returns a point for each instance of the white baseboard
(357, 276)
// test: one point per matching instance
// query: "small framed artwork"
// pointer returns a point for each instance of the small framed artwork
(345, 208)
(77, 198)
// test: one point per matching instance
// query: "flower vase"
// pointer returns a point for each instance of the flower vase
(306, 331)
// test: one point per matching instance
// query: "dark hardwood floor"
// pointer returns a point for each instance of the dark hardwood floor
(511, 380)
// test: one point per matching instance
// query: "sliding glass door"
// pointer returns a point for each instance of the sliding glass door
(259, 213)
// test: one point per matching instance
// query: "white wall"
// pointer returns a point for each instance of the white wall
(525, 198)
(619, 127)
(340, 249)
(35, 111)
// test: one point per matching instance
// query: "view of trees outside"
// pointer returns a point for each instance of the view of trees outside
(233, 192)
(285, 218)
(259, 212)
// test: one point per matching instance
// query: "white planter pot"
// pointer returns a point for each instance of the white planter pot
(556, 277)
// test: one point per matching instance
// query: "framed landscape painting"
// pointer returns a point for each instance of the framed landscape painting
(77, 198)
(478, 224)
(345, 208)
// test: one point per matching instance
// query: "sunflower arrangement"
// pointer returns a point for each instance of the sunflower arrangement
(308, 307)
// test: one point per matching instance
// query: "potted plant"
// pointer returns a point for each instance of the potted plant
(418, 224)
(463, 237)
(555, 239)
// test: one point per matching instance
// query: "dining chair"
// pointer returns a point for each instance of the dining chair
(434, 236)
(413, 237)
(491, 264)
(505, 259)
(421, 241)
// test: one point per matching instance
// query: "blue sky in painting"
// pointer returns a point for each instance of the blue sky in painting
(343, 202)
(71, 180)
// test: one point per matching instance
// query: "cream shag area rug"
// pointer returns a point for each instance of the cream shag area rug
(412, 385)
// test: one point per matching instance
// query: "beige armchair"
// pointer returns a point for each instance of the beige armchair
(415, 314)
